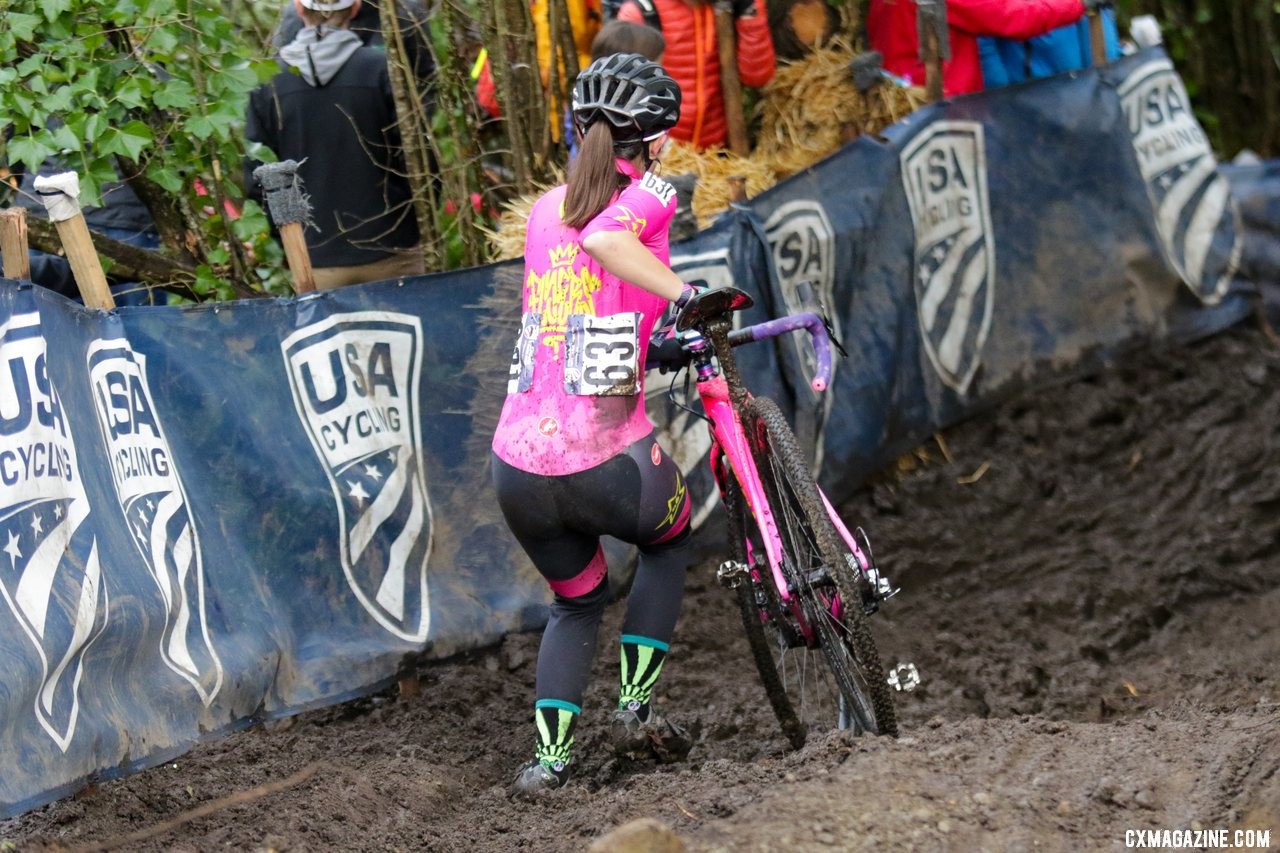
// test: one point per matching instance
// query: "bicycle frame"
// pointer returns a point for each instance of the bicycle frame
(723, 395)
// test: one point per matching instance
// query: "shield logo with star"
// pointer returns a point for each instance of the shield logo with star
(1196, 217)
(355, 380)
(50, 575)
(944, 173)
(155, 508)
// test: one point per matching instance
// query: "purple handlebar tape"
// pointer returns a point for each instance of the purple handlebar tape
(808, 321)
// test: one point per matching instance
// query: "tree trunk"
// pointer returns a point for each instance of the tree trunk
(128, 262)
(414, 127)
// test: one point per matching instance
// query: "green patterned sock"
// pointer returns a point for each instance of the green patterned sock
(556, 720)
(641, 664)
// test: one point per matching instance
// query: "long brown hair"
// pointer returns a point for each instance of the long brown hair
(594, 179)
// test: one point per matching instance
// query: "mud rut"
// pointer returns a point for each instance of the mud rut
(1096, 619)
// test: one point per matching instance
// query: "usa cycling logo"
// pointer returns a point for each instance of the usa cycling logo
(155, 508)
(944, 173)
(1196, 217)
(802, 242)
(355, 380)
(803, 245)
(50, 574)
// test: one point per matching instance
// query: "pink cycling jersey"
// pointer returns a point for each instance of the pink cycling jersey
(576, 392)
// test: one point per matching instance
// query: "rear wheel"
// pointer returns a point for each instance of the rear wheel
(847, 687)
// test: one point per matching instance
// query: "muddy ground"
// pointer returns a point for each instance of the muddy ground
(1091, 592)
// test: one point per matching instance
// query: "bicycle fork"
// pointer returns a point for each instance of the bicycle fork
(860, 560)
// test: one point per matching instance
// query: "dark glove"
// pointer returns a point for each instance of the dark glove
(1092, 7)
(665, 354)
(744, 8)
(691, 289)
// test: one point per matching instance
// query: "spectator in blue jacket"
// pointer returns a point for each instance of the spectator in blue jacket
(1006, 61)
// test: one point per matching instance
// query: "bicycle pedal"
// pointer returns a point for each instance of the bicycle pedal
(904, 677)
(731, 574)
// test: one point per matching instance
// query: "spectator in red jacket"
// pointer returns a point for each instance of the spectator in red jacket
(692, 58)
(891, 29)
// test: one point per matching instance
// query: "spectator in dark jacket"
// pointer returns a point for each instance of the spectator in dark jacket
(331, 108)
(122, 216)
(367, 23)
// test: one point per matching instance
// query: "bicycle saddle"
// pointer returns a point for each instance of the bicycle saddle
(710, 304)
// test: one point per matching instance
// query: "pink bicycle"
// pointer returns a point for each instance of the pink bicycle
(804, 583)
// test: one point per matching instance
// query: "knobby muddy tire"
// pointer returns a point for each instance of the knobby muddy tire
(739, 524)
(849, 649)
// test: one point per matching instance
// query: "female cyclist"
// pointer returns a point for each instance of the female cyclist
(574, 452)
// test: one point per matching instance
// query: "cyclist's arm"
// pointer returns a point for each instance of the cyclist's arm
(622, 254)
(620, 237)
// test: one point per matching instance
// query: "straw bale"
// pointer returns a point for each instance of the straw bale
(507, 238)
(811, 108)
(714, 168)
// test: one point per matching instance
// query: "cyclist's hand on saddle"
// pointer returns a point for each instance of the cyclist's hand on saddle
(691, 289)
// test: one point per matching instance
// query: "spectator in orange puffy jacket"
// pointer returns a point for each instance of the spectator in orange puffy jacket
(693, 58)
(891, 30)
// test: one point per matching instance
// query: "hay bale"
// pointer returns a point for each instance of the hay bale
(714, 167)
(811, 108)
(507, 237)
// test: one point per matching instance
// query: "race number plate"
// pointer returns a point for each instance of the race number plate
(520, 378)
(602, 355)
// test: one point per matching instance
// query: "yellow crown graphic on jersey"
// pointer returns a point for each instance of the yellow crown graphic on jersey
(563, 255)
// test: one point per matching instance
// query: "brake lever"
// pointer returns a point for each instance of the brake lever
(831, 334)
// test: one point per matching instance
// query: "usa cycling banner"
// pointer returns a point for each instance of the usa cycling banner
(217, 514)
(987, 243)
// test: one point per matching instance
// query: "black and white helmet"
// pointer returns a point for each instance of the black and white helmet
(636, 96)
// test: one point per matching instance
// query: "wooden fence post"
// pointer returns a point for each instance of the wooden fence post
(935, 44)
(13, 243)
(61, 196)
(290, 211)
(1097, 39)
(730, 83)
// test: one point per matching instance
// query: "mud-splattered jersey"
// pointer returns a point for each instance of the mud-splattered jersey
(575, 395)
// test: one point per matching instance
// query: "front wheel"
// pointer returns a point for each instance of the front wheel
(825, 610)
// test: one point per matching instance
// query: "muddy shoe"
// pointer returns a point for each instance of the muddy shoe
(654, 736)
(536, 778)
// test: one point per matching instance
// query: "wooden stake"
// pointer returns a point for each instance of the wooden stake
(61, 196)
(295, 249)
(410, 686)
(730, 83)
(13, 243)
(1097, 39)
(290, 211)
(934, 44)
(932, 67)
